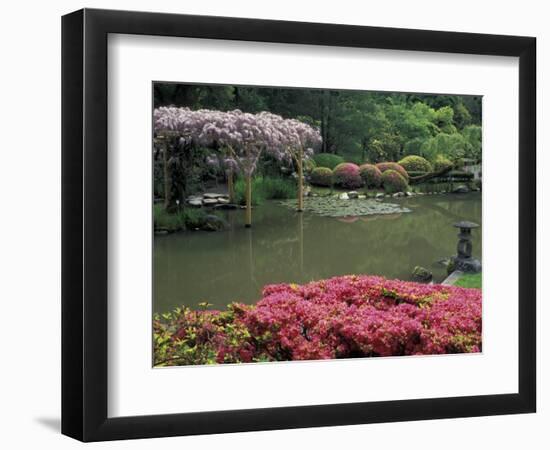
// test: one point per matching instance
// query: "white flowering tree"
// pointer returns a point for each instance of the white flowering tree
(240, 139)
(298, 141)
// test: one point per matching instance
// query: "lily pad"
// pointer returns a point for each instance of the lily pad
(336, 207)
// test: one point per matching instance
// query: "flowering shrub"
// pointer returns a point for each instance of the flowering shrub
(371, 175)
(321, 176)
(415, 163)
(342, 317)
(347, 175)
(383, 166)
(392, 181)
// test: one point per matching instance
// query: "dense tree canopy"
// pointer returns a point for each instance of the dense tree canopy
(361, 126)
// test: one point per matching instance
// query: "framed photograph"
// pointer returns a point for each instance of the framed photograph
(273, 224)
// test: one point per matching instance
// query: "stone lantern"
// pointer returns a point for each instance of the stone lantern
(463, 260)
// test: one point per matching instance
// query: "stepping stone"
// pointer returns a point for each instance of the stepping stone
(212, 195)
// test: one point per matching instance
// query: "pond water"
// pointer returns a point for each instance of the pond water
(286, 246)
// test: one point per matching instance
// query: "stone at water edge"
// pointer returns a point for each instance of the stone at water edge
(353, 194)
(461, 190)
(361, 196)
(344, 196)
(214, 223)
(468, 265)
(213, 195)
(421, 274)
(379, 195)
(195, 202)
(409, 194)
(223, 200)
(209, 201)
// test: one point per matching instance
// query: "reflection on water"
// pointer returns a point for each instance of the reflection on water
(285, 246)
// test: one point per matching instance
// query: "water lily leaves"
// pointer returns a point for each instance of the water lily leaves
(341, 208)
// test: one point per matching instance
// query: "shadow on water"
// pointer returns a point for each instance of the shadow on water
(285, 246)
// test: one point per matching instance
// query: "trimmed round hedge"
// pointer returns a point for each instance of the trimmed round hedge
(371, 175)
(441, 163)
(414, 163)
(309, 165)
(383, 166)
(329, 160)
(321, 176)
(347, 175)
(393, 181)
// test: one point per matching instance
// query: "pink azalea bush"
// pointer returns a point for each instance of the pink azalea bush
(347, 175)
(371, 175)
(392, 181)
(342, 317)
(383, 166)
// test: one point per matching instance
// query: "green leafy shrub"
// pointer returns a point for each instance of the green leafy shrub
(184, 219)
(265, 188)
(441, 163)
(355, 159)
(415, 163)
(321, 176)
(393, 181)
(278, 188)
(371, 175)
(240, 192)
(383, 166)
(329, 160)
(309, 165)
(347, 176)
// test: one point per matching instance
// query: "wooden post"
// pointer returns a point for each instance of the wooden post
(301, 239)
(230, 186)
(248, 221)
(300, 180)
(166, 175)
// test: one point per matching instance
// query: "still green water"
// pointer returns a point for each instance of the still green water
(284, 246)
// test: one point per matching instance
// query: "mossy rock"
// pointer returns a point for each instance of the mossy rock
(421, 274)
(214, 223)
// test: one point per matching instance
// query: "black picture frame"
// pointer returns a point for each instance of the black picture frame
(84, 224)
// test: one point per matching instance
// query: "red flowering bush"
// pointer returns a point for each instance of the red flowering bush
(392, 181)
(346, 175)
(371, 175)
(321, 176)
(342, 317)
(383, 166)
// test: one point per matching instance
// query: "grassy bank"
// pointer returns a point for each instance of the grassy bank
(470, 280)
(265, 188)
(185, 219)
